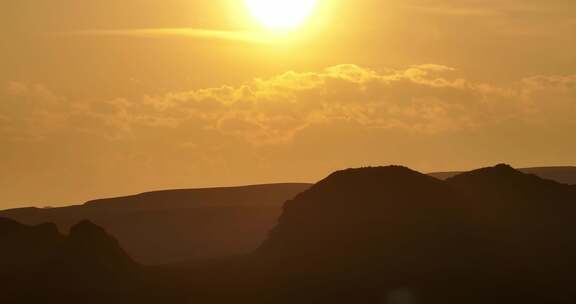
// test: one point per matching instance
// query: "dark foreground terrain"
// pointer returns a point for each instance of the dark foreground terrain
(370, 235)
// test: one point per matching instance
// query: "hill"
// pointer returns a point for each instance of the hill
(41, 259)
(359, 211)
(485, 236)
(174, 225)
(564, 175)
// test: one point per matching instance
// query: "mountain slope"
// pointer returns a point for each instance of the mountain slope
(167, 226)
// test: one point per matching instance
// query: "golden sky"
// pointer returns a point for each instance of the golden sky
(106, 97)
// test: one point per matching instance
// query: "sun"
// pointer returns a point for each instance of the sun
(281, 15)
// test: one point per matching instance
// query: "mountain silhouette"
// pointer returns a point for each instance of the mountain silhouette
(484, 235)
(176, 225)
(507, 187)
(44, 261)
(368, 235)
(93, 247)
(521, 217)
(87, 245)
(562, 174)
(355, 208)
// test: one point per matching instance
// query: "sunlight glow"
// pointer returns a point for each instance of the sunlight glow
(281, 15)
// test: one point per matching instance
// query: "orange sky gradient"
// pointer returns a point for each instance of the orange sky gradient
(104, 98)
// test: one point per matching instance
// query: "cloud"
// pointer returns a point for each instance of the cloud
(452, 11)
(244, 36)
(420, 99)
(423, 99)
